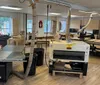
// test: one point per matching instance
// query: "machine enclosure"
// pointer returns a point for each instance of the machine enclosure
(5, 70)
(77, 56)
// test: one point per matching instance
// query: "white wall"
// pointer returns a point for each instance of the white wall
(41, 30)
(15, 19)
(9, 14)
(18, 18)
(75, 23)
(21, 21)
(94, 24)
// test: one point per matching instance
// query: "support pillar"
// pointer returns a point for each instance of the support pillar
(68, 25)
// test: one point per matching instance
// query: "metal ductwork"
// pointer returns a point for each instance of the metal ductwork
(63, 3)
(60, 2)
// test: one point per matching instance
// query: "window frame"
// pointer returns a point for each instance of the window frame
(61, 26)
(10, 27)
(51, 30)
(31, 25)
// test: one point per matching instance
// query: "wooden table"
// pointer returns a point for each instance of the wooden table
(15, 40)
(94, 42)
(9, 54)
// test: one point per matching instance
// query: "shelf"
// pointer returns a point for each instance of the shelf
(61, 66)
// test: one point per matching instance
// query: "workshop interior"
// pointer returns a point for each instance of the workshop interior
(49, 42)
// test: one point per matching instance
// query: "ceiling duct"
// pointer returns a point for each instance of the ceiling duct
(60, 2)
(64, 3)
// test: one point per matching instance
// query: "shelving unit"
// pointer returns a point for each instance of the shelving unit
(75, 68)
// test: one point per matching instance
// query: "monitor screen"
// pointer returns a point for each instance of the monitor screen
(89, 31)
(95, 31)
(73, 30)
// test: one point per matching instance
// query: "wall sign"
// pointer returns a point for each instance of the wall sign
(40, 24)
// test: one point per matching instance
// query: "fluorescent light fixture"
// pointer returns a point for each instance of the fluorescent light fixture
(84, 11)
(74, 16)
(93, 12)
(56, 14)
(10, 7)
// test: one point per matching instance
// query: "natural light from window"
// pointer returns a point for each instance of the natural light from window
(29, 26)
(5, 26)
(63, 26)
(49, 28)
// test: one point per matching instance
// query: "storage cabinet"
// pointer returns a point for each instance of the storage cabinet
(5, 71)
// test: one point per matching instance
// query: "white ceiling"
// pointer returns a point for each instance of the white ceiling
(87, 3)
(14, 3)
(25, 5)
(41, 8)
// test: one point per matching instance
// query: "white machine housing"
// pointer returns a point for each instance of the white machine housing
(78, 46)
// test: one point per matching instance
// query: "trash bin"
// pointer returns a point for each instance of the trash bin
(33, 66)
(40, 56)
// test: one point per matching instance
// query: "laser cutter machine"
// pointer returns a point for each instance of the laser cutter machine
(75, 54)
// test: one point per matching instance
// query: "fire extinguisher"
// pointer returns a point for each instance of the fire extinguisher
(40, 24)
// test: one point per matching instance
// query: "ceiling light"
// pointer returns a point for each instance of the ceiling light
(74, 16)
(10, 7)
(56, 14)
(84, 11)
(93, 12)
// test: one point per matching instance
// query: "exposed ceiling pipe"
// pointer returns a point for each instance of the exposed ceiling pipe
(65, 3)
(68, 26)
(33, 5)
(59, 2)
(90, 18)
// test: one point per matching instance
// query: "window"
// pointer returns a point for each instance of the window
(63, 26)
(6, 25)
(29, 26)
(47, 29)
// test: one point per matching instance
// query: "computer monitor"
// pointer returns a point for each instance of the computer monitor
(72, 30)
(95, 31)
(88, 31)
